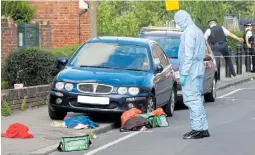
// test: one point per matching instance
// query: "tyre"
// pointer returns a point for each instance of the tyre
(151, 103)
(56, 114)
(210, 97)
(170, 106)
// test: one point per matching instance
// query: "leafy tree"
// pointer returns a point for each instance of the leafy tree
(244, 8)
(20, 11)
(127, 17)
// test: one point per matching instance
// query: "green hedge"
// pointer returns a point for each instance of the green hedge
(66, 51)
(30, 66)
(232, 42)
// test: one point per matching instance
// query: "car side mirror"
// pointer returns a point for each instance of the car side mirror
(207, 58)
(62, 61)
(159, 68)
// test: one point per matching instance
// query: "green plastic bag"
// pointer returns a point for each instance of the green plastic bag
(151, 120)
(77, 143)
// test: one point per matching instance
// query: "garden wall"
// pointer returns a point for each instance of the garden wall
(34, 96)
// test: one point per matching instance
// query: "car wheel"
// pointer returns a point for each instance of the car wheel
(210, 97)
(56, 114)
(151, 103)
(170, 106)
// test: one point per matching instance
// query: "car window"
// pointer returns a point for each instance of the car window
(163, 58)
(155, 56)
(112, 55)
(170, 44)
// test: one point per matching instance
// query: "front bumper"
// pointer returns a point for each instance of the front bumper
(118, 103)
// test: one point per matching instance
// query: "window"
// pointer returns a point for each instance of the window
(163, 57)
(155, 56)
(111, 55)
(170, 44)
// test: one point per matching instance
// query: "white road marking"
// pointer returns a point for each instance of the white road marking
(112, 143)
(230, 93)
(135, 133)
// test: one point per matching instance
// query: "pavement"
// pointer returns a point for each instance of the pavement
(231, 125)
(47, 138)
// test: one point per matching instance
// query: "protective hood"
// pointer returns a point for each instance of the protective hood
(183, 19)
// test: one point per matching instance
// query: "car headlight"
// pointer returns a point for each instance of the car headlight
(176, 74)
(122, 90)
(69, 86)
(59, 85)
(133, 91)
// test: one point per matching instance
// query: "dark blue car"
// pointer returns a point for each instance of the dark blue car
(111, 75)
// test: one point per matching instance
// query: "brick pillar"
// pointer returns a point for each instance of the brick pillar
(9, 41)
(45, 34)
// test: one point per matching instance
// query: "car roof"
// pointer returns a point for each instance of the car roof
(122, 40)
(161, 33)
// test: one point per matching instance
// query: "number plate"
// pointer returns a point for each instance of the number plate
(93, 100)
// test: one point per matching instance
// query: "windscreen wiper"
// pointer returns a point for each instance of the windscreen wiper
(173, 57)
(134, 69)
(96, 66)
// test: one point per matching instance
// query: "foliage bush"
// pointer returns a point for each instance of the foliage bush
(4, 85)
(66, 51)
(232, 42)
(20, 11)
(5, 109)
(30, 66)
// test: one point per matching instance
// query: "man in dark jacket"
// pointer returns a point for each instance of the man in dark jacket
(248, 45)
(216, 37)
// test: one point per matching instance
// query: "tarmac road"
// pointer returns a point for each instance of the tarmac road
(231, 124)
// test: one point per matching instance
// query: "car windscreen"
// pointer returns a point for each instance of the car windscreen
(170, 44)
(111, 55)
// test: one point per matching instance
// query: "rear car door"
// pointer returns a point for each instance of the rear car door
(167, 80)
(209, 71)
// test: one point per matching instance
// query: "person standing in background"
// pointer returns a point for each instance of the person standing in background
(216, 37)
(248, 44)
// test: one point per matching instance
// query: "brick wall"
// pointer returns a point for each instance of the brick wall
(9, 40)
(63, 16)
(35, 96)
(45, 34)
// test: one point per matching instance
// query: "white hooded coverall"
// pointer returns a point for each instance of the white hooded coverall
(190, 56)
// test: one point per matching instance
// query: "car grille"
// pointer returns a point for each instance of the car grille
(94, 88)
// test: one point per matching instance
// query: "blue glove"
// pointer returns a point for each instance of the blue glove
(183, 79)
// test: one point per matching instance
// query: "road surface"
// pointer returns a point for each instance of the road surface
(231, 124)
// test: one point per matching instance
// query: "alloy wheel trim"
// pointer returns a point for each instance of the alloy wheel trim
(214, 89)
(150, 106)
(172, 105)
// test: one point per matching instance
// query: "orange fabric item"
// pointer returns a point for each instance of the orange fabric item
(129, 114)
(17, 130)
(158, 112)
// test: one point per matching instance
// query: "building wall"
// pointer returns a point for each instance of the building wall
(9, 40)
(64, 19)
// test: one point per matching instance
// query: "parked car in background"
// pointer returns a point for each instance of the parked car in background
(111, 75)
(169, 39)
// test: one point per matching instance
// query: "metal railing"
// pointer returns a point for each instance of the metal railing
(241, 60)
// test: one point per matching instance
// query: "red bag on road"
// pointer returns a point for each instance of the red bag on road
(129, 114)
